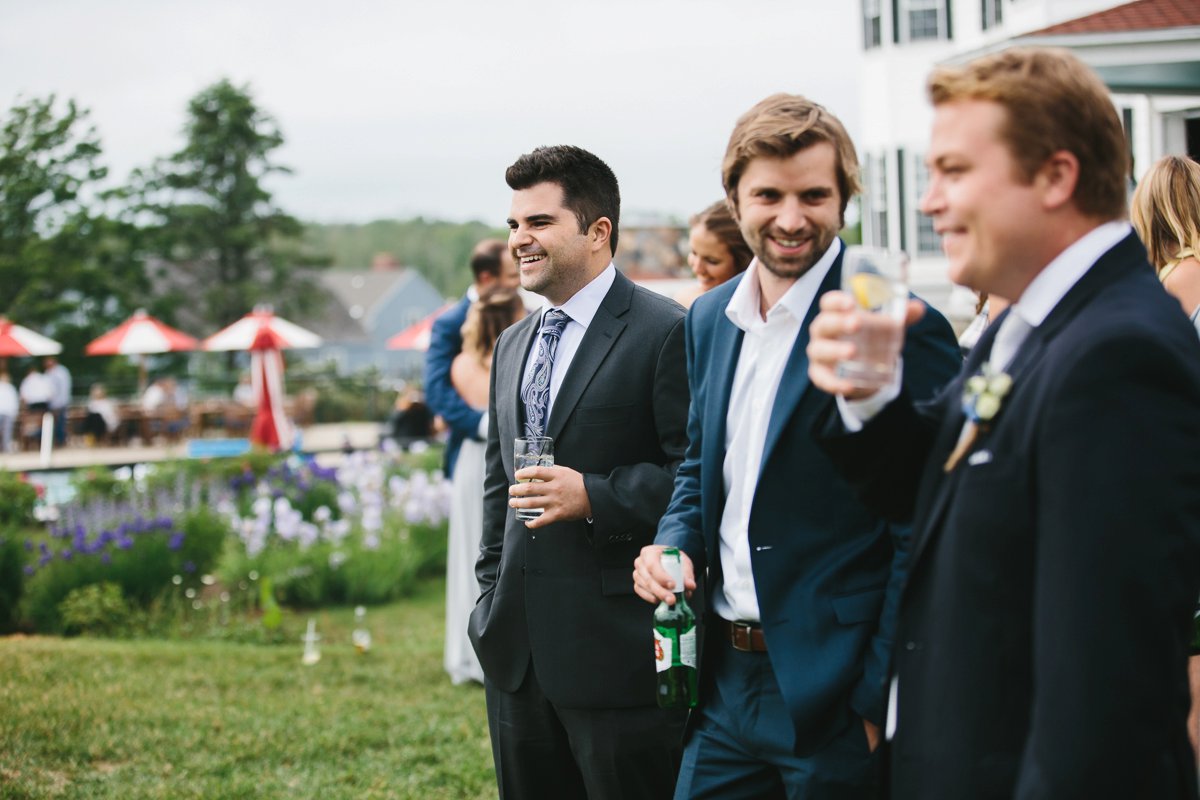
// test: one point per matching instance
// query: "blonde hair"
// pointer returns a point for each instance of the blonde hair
(1166, 210)
(781, 126)
(487, 318)
(1054, 102)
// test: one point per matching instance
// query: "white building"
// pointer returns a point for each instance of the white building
(1148, 52)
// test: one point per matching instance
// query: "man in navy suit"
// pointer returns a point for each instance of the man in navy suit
(492, 265)
(802, 579)
(1043, 632)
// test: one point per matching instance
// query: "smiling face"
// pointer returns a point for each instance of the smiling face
(709, 258)
(552, 254)
(789, 209)
(990, 219)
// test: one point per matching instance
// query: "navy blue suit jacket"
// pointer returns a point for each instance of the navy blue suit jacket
(827, 572)
(445, 342)
(1054, 571)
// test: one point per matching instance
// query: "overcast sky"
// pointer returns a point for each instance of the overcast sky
(394, 109)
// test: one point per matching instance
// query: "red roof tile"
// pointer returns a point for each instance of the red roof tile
(1141, 15)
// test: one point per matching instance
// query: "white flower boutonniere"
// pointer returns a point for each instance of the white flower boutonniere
(983, 394)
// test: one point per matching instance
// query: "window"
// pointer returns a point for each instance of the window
(993, 13)
(928, 242)
(922, 20)
(875, 201)
(872, 11)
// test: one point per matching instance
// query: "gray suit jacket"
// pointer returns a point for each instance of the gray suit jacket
(563, 595)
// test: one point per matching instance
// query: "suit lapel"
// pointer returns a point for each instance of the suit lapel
(720, 368)
(598, 340)
(1105, 270)
(794, 381)
(508, 380)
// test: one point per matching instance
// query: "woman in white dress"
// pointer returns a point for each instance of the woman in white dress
(469, 374)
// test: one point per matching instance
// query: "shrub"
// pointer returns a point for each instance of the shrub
(17, 500)
(12, 579)
(98, 609)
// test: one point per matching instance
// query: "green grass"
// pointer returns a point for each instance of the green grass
(95, 718)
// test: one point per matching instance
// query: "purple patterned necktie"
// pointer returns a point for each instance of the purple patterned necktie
(536, 392)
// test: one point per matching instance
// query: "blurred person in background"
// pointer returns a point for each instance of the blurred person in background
(36, 390)
(470, 375)
(1166, 216)
(716, 250)
(60, 396)
(10, 406)
(102, 418)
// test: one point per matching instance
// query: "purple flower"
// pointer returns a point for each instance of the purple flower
(29, 569)
(189, 566)
(124, 543)
(176, 541)
(106, 557)
(29, 545)
(66, 554)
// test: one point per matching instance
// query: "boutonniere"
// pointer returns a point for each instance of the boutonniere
(983, 394)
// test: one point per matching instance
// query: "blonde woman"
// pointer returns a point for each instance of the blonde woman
(1166, 215)
(470, 374)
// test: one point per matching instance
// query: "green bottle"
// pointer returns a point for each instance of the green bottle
(675, 642)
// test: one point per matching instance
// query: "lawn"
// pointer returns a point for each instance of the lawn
(96, 718)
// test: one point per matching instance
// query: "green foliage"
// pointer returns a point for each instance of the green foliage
(98, 609)
(216, 221)
(64, 266)
(440, 251)
(99, 483)
(272, 614)
(12, 579)
(17, 499)
(141, 560)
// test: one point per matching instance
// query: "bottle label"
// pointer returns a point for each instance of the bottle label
(662, 652)
(687, 649)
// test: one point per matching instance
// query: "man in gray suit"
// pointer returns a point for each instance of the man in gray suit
(566, 646)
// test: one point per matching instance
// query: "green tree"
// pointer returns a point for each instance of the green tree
(223, 243)
(66, 267)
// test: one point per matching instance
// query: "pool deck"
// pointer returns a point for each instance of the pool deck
(324, 438)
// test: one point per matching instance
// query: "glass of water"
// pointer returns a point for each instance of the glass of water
(878, 281)
(532, 451)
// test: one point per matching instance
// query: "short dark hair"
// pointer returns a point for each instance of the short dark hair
(485, 258)
(589, 187)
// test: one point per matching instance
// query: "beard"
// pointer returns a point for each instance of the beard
(793, 267)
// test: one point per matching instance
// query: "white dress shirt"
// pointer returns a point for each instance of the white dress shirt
(765, 350)
(581, 308)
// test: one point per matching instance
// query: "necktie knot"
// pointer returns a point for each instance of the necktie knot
(553, 323)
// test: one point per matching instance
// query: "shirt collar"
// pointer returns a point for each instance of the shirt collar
(744, 305)
(472, 293)
(1050, 285)
(583, 304)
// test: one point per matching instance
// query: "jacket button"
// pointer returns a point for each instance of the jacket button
(910, 646)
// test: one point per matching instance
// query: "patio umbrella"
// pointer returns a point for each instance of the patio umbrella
(416, 336)
(141, 335)
(265, 335)
(17, 340)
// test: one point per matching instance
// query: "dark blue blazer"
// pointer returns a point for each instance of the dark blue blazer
(1054, 571)
(445, 342)
(828, 573)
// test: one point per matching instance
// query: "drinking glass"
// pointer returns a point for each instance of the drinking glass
(532, 451)
(878, 281)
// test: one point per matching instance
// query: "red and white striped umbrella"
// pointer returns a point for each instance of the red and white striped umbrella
(262, 330)
(17, 340)
(416, 336)
(141, 334)
(264, 335)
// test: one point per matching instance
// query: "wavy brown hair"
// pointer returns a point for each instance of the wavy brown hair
(1166, 210)
(488, 317)
(718, 220)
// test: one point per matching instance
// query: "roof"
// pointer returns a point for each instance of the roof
(1141, 15)
(360, 291)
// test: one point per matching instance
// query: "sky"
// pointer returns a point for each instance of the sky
(398, 109)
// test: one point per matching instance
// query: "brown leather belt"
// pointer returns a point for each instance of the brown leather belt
(744, 636)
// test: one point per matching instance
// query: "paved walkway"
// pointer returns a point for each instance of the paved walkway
(329, 437)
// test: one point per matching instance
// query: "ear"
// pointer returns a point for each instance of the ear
(599, 234)
(1057, 178)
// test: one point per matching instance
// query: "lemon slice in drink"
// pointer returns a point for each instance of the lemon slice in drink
(870, 291)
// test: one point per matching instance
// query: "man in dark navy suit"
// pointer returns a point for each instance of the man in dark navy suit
(1055, 484)
(492, 265)
(802, 579)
